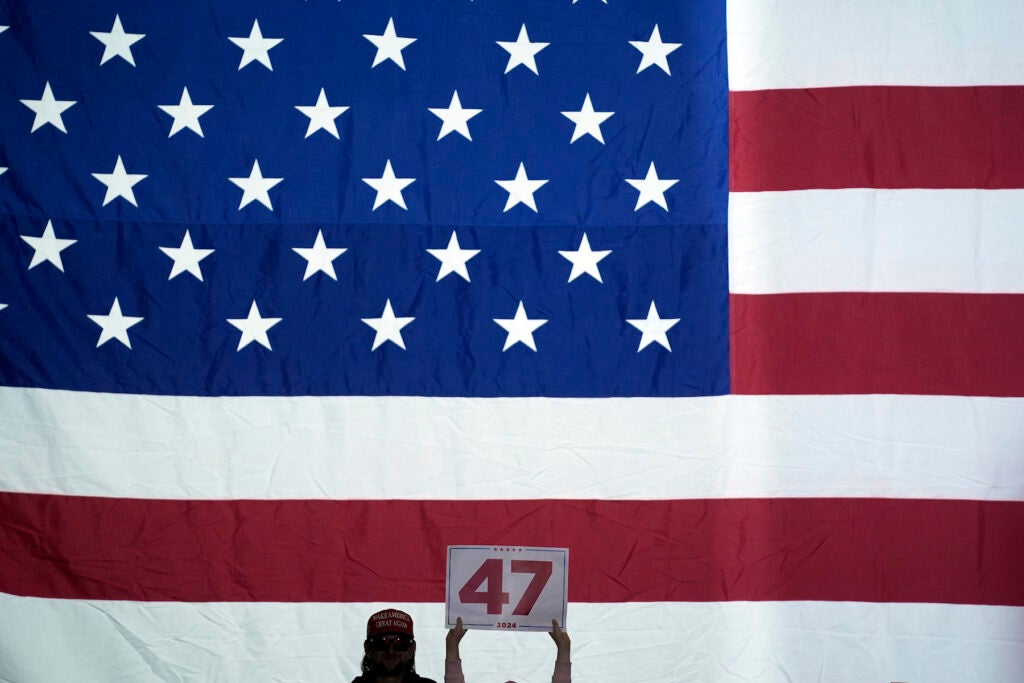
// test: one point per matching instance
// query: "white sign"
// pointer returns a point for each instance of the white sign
(506, 588)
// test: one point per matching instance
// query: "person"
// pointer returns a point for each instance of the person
(453, 662)
(389, 651)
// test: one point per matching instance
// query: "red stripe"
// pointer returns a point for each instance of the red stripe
(885, 137)
(682, 550)
(878, 343)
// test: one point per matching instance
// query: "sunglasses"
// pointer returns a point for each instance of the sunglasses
(393, 642)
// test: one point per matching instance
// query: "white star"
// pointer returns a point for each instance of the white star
(3, 306)
(584, 260)
(520, 189)
(48, 110)
(186, 258)
(114, 325)
(119, 183)
(256, 188)
(655, 52)
(654, 328)
(389, 45)
(47, 247)
(453, 258)
(455, 119)
(117, 43)
(3, 28)
(519, 328)
(388, 327)
(388, 187)
(522, 51)
(186, 114)
(3, 169)
(254, 328)
(319, 257)
(588, 121)
(256, 48)
(322, 115)
(652, 188)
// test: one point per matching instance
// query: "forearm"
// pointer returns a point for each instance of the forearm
(563, 673)
(453, 671)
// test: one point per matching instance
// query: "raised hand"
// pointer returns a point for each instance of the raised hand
(452, 640)
(562, 642)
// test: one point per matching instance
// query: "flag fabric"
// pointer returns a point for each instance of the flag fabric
(725, 297)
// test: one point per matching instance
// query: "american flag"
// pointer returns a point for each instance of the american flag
(725, 297)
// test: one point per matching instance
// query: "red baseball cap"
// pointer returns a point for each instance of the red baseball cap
(389, 621)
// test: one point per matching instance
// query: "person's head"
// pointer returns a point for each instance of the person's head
(389, 649)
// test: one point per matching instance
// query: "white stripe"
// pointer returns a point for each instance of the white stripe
(435, 448)
(810, 43)
(735, 642)
(867, 240)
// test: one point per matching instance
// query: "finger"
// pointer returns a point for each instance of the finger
(460, 630)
